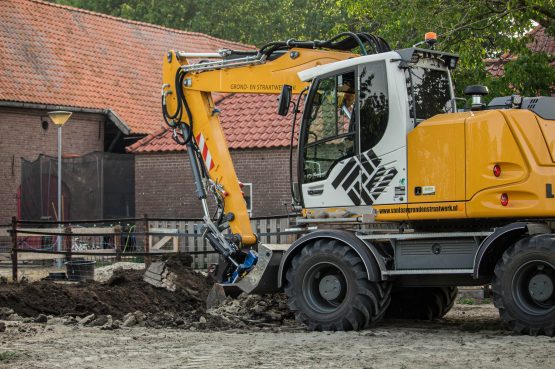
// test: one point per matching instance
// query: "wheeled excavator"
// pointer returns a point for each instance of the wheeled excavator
(466, 194)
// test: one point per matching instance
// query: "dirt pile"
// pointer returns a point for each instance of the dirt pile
(255, 310)
(103, 274)
(125, 300)
(125, 292)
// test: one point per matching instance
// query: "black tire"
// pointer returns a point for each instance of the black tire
(422, 303)
(328, 289)
(524, 285)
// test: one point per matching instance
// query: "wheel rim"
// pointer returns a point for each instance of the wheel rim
(533, 287)
(325, 287)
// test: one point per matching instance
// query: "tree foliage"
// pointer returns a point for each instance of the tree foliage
(249, 21)
(475, 29)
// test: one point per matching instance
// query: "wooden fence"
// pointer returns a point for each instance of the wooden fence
(186, 236)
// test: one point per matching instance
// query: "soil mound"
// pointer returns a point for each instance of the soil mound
(126, 300)
(125, 292)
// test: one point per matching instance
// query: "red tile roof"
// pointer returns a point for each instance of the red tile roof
(541, 42)
(248, 121)
(59, 55)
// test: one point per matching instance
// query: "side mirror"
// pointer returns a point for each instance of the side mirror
(284, 100)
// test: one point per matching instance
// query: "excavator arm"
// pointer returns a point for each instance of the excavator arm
(188, 106)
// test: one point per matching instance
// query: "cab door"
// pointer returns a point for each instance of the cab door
(328, 162)
(353, 143)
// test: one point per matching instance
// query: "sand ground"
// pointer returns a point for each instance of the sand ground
(470, 336)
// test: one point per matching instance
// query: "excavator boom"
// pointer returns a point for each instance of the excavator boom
(189, 109)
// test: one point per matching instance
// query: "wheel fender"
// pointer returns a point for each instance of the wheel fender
(372, 259)
(491, 249)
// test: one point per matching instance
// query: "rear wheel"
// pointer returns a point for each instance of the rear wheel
(328, 289)
(423, 303)
(524, 283)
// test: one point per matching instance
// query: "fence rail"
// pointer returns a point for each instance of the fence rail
(137, 239)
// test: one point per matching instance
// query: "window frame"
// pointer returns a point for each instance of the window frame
(388, 90)
(302, 143)
(248, 193)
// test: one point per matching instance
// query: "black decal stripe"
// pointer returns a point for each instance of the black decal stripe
(366, 165)
(379, 184)
(350, 179)
(354, 197)
(373, 158)
(337, 181)
(366, 199)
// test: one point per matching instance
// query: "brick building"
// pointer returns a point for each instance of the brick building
(259, 149)
(105, 70)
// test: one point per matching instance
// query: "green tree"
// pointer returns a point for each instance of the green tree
(249, 21)
(475, 29)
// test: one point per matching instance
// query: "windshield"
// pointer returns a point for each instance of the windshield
(431, 92)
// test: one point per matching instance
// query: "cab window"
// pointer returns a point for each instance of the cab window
(374, 104)
(330, 132)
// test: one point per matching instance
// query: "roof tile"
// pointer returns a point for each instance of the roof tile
(248, 121)
(59, 55)
(541, 42)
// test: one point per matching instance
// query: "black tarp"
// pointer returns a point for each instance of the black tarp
(98, 185)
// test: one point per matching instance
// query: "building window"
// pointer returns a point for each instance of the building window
(247, 189)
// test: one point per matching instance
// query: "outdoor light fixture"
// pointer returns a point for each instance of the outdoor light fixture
(59, 117)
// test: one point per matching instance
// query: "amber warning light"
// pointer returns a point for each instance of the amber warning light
(430, 38)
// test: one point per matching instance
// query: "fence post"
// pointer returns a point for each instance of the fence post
(147, 241)
(14, 249)
(68, 242)
(117, 241)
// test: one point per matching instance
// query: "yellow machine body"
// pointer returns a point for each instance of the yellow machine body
(454, 155)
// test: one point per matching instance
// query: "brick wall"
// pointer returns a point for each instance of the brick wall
(22, 136)
(164, 186)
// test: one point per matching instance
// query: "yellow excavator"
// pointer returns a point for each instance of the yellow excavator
(467, 194)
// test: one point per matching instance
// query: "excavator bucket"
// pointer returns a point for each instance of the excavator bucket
(263, 278)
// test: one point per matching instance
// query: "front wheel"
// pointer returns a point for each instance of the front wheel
(523, 285)
(328, 289)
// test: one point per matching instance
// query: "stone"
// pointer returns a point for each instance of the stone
(258, 309)
(129, 321)
(5, 312)
(202, 320)
(41, 319)
(70, 320)
(15, 318)
(99, 321)
(110, 324)
(86, 320)
(2, 327)
(216, 296)
(274, 315)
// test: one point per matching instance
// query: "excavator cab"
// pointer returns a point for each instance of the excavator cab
(352, 151)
